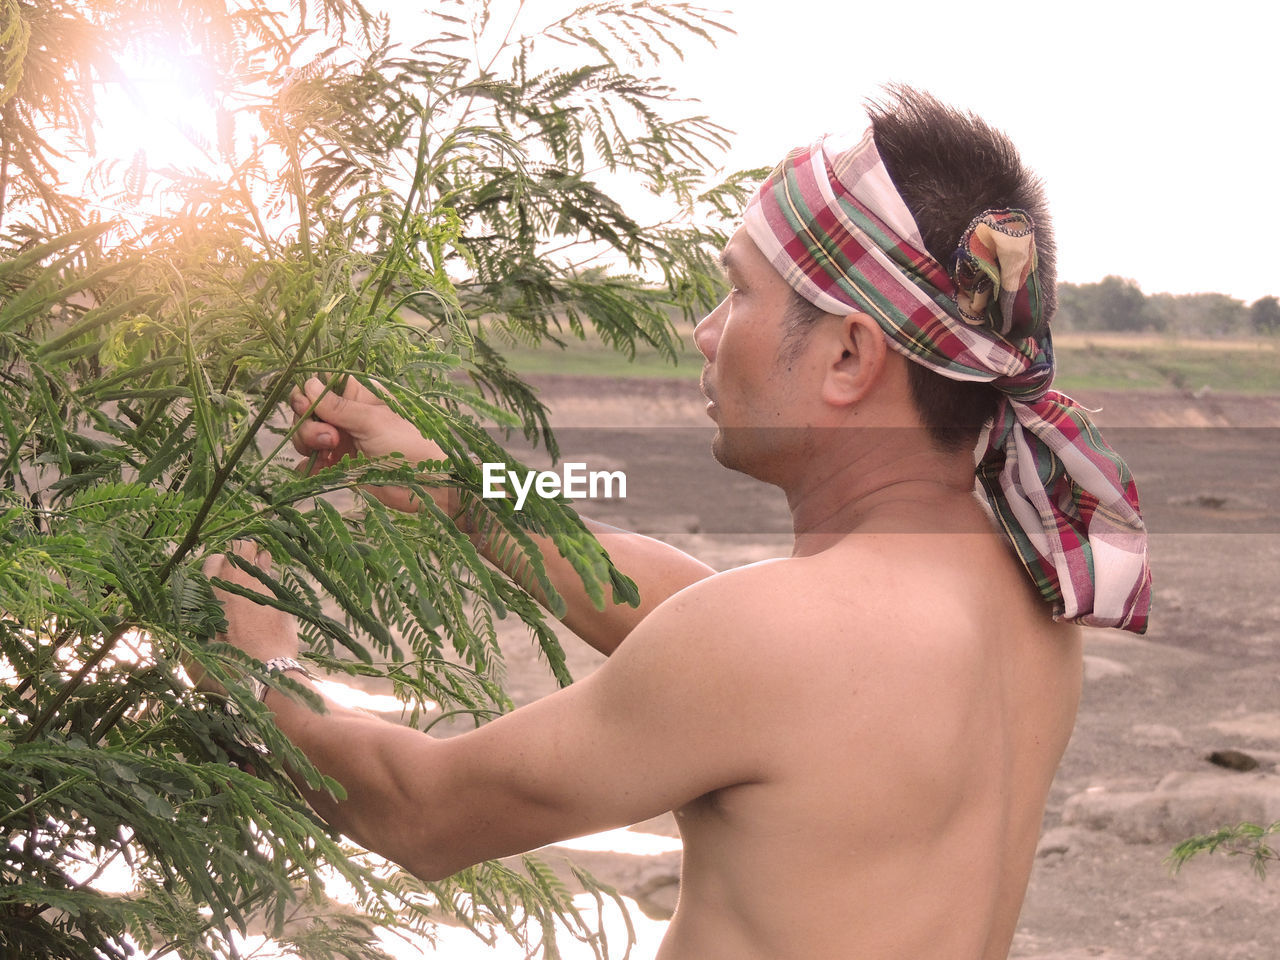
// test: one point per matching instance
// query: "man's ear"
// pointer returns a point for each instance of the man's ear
(855, 359)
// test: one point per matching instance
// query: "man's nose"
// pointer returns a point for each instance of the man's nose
(707, 333)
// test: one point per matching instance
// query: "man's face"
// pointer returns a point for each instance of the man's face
(750, 380)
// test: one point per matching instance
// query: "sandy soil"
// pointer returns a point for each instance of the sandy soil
(1206, 677)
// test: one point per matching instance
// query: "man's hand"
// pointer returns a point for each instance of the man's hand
(358, 421)
(333, 426)
(260, 631)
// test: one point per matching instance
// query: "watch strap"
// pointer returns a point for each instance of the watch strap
(260, 687)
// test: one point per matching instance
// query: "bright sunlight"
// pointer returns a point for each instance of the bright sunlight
(159, 115)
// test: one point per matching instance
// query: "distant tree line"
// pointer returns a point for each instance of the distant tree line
(1117, 303)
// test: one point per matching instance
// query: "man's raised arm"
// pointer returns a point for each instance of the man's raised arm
(358, 421)
(646, 733)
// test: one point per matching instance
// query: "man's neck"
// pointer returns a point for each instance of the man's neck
(885, 488)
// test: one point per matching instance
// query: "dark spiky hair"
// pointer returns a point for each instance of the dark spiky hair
(949, 166)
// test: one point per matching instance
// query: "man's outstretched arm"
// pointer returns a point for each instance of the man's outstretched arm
(337, 426)
(657, 725)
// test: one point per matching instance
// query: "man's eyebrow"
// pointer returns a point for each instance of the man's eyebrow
(726, 261)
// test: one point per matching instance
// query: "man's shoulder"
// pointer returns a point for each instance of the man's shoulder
(760, 603)
(748, 591)
(859, 573)
(870, 591)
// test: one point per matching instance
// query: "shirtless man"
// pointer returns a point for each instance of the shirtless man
(858, 739)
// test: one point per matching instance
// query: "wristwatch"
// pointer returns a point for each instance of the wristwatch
(259, 687)
(259, 690)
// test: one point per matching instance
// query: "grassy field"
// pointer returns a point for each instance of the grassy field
(1086, 361)
(1127, 362)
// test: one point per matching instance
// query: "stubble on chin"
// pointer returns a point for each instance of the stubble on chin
(718, 448)
(764, 453)
(732, 448)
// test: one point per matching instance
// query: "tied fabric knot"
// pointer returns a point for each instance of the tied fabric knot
(831, 221)
(995, 274)
(1069, 506)
(1027, 371)
(997, 290)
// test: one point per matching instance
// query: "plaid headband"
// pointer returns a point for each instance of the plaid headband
(831, 221)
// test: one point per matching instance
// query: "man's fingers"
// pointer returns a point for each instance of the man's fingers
(252, 625)
(308, 434)
(257, 555)
(212, 566)
(218, 564)
(329, 422)
(312, 399)
(313, 436)
(298, 402)
(359, 393)
(348, 412)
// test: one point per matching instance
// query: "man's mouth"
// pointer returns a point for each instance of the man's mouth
(711, 407)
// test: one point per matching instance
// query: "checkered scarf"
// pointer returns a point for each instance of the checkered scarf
(831, 221)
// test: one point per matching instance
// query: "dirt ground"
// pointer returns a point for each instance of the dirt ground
(1135, 778)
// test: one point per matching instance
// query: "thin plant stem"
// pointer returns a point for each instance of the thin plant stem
(37, 799)
(70, 687)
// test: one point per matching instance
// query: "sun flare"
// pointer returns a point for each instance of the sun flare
(159, 115)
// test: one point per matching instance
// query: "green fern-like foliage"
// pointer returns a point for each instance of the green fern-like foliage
(1247, 840)
(367, 211)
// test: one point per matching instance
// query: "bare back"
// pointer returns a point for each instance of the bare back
(858, 742)
(904, 766)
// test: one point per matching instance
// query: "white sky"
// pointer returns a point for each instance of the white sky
(1152, 124)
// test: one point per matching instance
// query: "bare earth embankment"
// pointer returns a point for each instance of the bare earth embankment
(1135, 778)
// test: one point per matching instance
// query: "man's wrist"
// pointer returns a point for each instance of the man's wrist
(273, 667)
(461, 507)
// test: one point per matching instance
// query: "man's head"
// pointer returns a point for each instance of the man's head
(948, 166)
(927, 231)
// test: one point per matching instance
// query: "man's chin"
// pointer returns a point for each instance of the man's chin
(719, 449)
(732, 450)
(767, 454)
